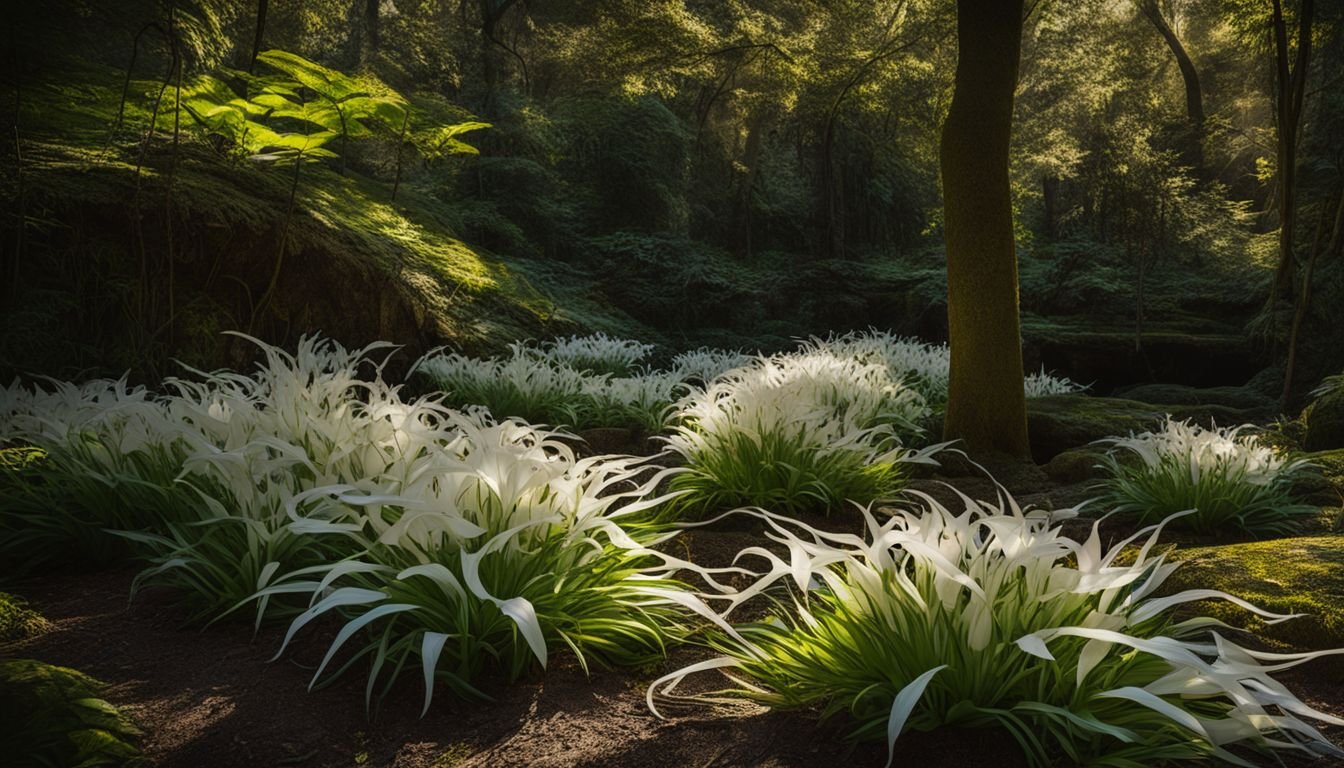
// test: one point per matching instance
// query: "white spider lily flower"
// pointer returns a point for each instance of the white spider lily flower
(992, 614)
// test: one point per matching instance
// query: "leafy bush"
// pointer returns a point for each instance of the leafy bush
(924, 366)
(1231, 480)
(52, 716)
(598, 353)
(704, 364)
(568, 381)
(798, 431)
(495, 550)
(107, 462)
(993, 618)
(198, 480)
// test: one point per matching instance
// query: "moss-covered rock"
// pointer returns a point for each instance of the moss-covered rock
(1242, 398)
(1076, 465)
(1298, 575)
(1325, 422)
(1324, 483)
(18, 621)
(52, 715)
(1060, 422)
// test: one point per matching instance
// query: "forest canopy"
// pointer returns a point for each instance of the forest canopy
(688, 172)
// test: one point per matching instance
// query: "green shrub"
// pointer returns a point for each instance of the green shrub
(492, 553)
(993, 618)
(799, 431)
(1231, 481)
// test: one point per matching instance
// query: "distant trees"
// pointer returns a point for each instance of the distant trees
(986, 404)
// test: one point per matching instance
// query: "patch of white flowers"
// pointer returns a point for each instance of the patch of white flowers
(1228, 452)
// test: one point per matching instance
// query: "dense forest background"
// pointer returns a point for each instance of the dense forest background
(731, 173)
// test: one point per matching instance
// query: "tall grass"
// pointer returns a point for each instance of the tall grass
(793, 432)
(443, 538)
(1232, 481)
(497, 551)
(992, 617)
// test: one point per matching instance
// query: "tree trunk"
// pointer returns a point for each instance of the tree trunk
(1194, 97)
(1304, 300)
(372, 34)
(1289, 90)
(1050, 202)
(986, 404)
(751, 159)
(262, 6)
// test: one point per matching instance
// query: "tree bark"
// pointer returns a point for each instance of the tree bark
(986, 405)
(751, 159)
(1050, 203)
(1289, 91)
(373, 35)
(262, 7)
(1194, 97)
(1304, 300)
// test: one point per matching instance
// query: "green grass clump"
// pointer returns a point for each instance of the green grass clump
(1231, 481)
(52, 716)
(805, 431)
(18, 621)
(993, 618)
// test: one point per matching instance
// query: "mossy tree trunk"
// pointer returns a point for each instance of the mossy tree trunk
(1289, 92)
(986, 406)
(1194, 96)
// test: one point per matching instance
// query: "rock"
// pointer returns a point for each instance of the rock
(1058, 423)
(1297, 575)
(1243, 398)
(1325, 422)
(1076, 465)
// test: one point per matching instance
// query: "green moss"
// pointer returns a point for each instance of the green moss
(1178, 394)
(1060, 422)
(18, 621)
(1325, 422)
(1297, 575)
(52, 715)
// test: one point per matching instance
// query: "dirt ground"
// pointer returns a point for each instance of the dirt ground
(213, 698)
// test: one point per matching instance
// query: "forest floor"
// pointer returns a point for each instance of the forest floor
(214, 698)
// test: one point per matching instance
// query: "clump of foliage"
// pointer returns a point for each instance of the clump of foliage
(53, 716)
(18, 621)
(579, 382)
(924, 366)
(705, 364)
(498, 548)
(108, 462)
(596, 354)
(992, 617)
(1229, 479)
(309, 487)
(798, 431)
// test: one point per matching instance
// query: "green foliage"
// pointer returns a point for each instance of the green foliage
(18, 621)
(51, 715)
(493, 552)
(803, 431)
(1231, 481)
(992, 618)
(306, 479)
